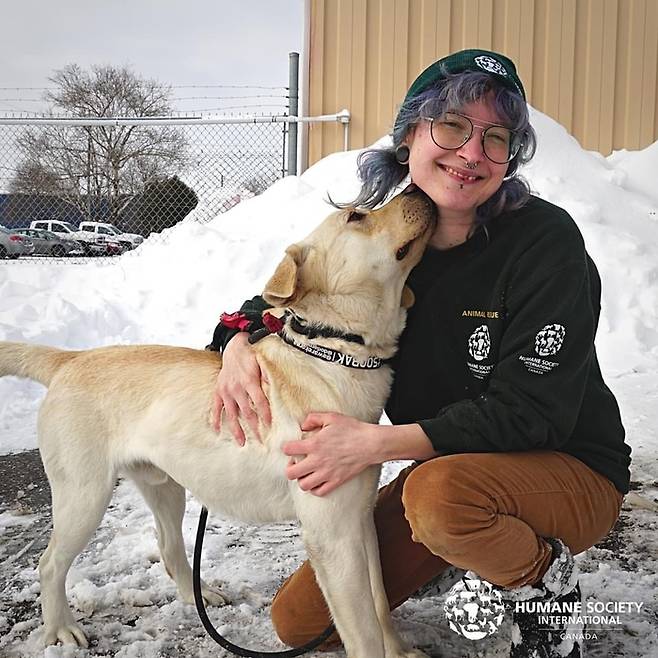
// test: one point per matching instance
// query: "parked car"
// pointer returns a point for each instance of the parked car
(51, 244)
(110, 231)
(13, 245)
(91, 245)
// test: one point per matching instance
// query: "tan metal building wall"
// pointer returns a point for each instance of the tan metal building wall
(590, 64)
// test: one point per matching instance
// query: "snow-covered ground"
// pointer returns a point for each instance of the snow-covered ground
(173, 291)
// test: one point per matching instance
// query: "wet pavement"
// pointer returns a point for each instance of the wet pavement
(23, 483)
(25, 524)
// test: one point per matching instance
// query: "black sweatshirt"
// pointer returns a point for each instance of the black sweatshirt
(498, 352)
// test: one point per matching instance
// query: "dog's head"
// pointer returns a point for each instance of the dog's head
(350, 271)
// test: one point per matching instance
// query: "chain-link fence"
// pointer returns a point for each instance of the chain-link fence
(98, 187)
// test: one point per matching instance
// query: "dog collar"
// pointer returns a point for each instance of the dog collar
(334, 356)
(274, 325)
(301, 326)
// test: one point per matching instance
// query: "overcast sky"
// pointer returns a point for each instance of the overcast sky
(178, 42)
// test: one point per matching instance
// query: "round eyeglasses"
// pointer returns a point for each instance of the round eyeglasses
(451, 131)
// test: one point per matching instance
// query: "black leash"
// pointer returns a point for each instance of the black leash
(212, 631)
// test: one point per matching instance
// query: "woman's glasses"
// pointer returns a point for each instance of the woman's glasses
(451, 131)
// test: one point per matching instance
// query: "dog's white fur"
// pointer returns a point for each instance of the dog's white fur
(144, 411)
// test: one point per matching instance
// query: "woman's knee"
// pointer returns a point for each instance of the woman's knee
(443, 503)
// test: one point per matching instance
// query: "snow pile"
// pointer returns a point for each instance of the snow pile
(611, 200)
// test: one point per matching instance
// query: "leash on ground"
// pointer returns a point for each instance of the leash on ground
(212, 631)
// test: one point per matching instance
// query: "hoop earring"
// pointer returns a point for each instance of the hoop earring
(402, 154)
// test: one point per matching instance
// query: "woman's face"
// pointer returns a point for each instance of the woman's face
(442, 174)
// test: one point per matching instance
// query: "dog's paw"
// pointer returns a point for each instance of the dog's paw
(69, 633)
(212, 596)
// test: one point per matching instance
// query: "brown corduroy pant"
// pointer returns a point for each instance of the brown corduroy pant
(487, 512)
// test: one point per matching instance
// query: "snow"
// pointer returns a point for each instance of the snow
(172, 292)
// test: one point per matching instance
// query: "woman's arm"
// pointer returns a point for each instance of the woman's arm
(239, 390)
(239, 387)
(339, 447)
(252, 309)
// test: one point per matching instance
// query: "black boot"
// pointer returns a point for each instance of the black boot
(534, 638)
(545, 615)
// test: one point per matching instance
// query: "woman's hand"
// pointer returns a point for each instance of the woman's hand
(239, 390)
(339, 448)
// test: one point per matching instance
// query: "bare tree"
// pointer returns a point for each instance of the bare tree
(100, 163)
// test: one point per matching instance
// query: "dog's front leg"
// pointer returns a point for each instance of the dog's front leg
(333, 534)
(394, 645)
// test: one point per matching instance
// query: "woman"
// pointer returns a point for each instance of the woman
(519, 447)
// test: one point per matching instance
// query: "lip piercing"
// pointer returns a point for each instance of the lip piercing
(471, 165)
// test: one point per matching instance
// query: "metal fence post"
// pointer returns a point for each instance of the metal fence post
(293, 103)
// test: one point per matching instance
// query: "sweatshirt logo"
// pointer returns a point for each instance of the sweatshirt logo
(479, 343)
(549, 340)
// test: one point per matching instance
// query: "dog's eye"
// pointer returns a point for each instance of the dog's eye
(355, 216)
(403, 251)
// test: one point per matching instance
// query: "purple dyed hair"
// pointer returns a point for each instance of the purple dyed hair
(380, 172)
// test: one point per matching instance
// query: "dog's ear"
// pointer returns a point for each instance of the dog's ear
(283, 284)
(408, 297)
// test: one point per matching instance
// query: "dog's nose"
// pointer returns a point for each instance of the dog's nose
(410, 189)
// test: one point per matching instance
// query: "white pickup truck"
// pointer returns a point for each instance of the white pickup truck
(111, 232)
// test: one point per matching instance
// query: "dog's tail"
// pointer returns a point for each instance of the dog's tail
(32, 361)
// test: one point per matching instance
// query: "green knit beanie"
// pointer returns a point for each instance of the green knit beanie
(498, 66)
